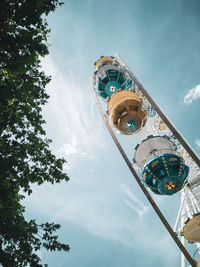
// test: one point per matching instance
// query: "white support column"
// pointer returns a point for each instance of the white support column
(183, 219)
(188, 205)
(195, 200)
(179, 214)
(183, 259)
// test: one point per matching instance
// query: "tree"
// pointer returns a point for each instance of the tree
(25, 157)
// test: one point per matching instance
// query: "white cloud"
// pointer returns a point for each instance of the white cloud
(138, 206)
(71, 115)
(192, 95)
(197, 142)
(93, 209)
(71, 148)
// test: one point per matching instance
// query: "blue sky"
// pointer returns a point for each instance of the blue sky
(104, 216)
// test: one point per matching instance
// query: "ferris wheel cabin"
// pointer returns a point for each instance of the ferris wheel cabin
(162, 169)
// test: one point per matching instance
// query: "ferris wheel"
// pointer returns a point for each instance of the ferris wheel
(163, 163)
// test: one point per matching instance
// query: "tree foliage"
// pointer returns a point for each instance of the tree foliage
(25, 157)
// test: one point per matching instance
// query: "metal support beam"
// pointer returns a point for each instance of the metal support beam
(169, 124)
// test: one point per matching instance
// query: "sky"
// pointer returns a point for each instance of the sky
(104, 216)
